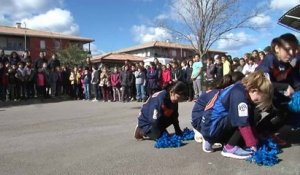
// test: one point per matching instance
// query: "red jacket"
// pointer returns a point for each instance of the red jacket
(166, 77)
(115, 79)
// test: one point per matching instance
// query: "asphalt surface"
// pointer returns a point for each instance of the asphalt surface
(81, 137)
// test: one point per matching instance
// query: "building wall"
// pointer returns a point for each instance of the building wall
(51, 45)
(17, 43)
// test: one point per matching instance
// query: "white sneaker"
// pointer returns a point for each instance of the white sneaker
(206, 146)
(197, 136)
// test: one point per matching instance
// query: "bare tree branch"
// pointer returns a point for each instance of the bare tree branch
(205, 22)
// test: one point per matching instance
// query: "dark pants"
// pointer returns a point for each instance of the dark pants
(106, 93)
(12, 91)
(95, 91)
(75, 91)
(160, 126)
(2, 92)
(125, 93)
(190, 90)
(41, 91)
(30, 89)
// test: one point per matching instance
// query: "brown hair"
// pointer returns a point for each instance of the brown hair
(259, 81)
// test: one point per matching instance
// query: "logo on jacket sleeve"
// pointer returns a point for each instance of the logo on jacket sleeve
(243, 110)
(155, 114)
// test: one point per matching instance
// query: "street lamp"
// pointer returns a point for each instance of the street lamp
(25, 38)
(179, 38)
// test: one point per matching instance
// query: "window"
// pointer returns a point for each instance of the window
(173, 53)
(57, 44)
(42, 44)
(184, 54)
(3, 42)
(148, 53)
(15, 43)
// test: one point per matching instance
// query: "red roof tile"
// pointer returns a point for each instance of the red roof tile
(5, 30)
(116, 57)
(162, 44)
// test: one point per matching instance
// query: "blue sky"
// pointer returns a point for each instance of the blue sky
(117, 24)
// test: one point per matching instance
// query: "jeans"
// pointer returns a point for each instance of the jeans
(87, 91)
(140, 91)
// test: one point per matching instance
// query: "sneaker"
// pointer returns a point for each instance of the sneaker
(206, 146)
(197, 136)
(138, 133)
(236, 153)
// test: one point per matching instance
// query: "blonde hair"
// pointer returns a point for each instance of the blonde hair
(259, 81)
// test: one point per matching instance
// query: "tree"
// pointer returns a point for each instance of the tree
(203, 22)
(72, 55)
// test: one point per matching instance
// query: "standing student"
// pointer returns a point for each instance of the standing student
(75, 82)
(189, 81)
(126, 79)
(209, 72)
(177, 73)
(160, 111)
(105, 84)
(116, 84)
(196, 75)
(250, 66)
(226, 65)
(53, 78)
(95, 83)
(166, 75)
(86, 83)
(139, 83)
(152, 79)
(41, 83)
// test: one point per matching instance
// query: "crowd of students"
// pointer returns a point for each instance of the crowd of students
(22, 77)
(247, 103)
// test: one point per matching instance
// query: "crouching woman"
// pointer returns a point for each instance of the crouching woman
(160, 111)
(230, 118)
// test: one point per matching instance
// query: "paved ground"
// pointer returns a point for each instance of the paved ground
(79, 137)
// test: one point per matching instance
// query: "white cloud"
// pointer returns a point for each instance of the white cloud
(54, 20)
(161, 17)
(283, 5)
(94, 49)
(235, 41)
(144, 34)
(261, 20)
(38, 14)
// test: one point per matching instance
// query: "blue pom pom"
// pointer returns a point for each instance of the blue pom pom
(294, 104)
(266, 155)
(174, 141)
(188, 134)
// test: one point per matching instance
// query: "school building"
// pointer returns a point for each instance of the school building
(20, 39)
(159, 49)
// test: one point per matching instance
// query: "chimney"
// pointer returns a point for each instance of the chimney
(18, 25)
